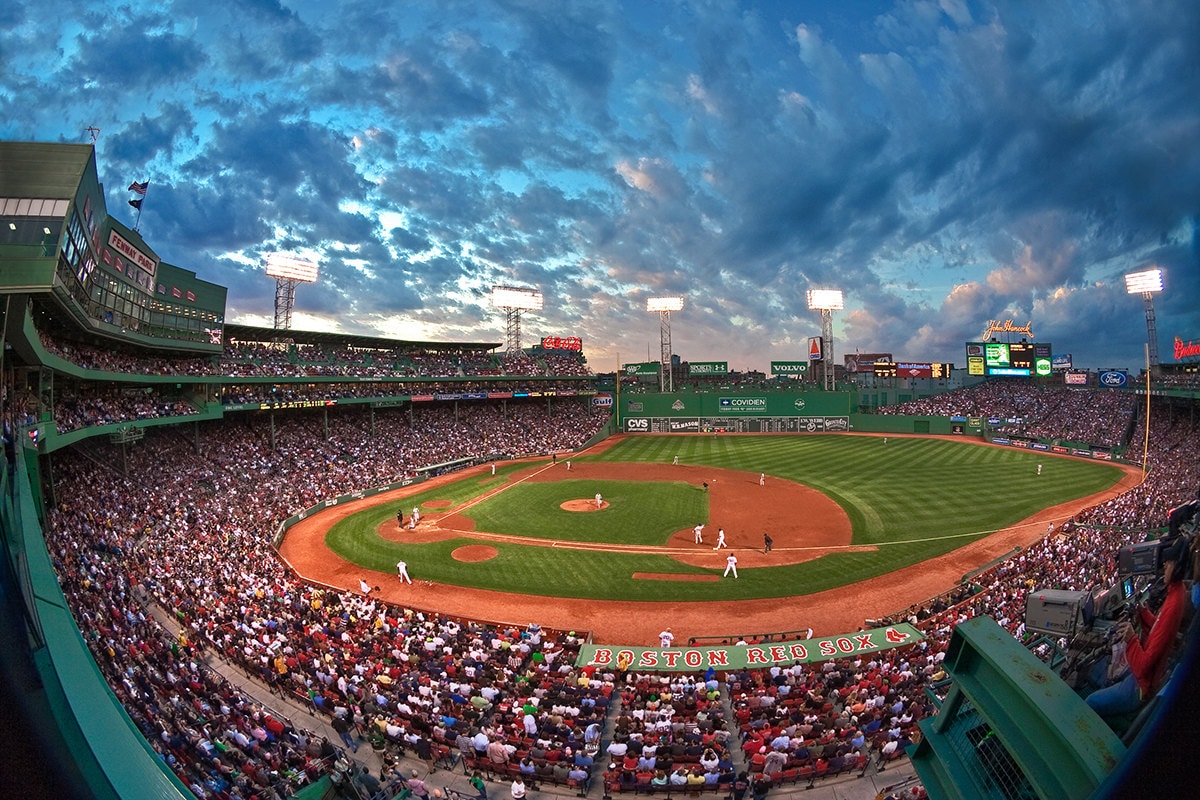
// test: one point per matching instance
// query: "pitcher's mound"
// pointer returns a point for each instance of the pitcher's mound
(474, 552)
(583, 505)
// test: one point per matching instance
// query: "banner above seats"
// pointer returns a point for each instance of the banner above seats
(748, 656)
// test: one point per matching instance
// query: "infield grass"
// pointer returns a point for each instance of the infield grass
(914, 498)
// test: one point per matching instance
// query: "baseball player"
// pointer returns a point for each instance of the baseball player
(416, 515)
(720, 539)
(599, 500)
(402, 572)
(768, 542)
(665, 638)
(699, 533)
(568, 465)
(730, 566)
(675, 460)
(762, 479)
(363, 586)
(493, 469)
(1039, 469)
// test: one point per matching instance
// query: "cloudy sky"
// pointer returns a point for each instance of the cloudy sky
(943, 163)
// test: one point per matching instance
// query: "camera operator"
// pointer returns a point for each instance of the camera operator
(1147, 654)
(1180, 515)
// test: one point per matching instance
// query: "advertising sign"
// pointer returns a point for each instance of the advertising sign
(645, 369)
(789, 367)
(708, 368)
(1061, 361)
(814, 348)
(742, 405)
(863, 362)
(1113, 379)
(1182, 349)
(562, 343)
(1075, 379)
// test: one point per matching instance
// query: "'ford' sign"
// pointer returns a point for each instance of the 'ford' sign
(1113, 380)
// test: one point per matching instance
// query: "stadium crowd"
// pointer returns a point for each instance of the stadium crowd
(1097, 417)
(269, 359)
(194, 540)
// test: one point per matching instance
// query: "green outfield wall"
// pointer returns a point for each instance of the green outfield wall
(770, 412)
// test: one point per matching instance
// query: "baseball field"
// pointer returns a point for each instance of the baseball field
(841, 510)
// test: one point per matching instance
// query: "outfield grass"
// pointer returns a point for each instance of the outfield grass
(915, 498)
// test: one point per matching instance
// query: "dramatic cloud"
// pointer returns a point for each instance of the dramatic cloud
(942, 162)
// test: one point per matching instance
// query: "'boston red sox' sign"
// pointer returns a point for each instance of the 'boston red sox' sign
(748, 656)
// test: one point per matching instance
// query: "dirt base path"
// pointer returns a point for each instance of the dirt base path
(737, 502)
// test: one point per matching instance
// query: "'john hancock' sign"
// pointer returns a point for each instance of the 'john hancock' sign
(754, 656)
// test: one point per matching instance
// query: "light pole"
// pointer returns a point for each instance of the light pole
(288, 270)
(514, 301)
(1146, 283)
(826, 301)
(664, 306)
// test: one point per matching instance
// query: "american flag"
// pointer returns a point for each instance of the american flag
(140, 188)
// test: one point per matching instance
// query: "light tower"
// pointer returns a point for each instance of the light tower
(1146, 283)
(664, 306)
(288, 269)
(826, 301)
(514, 301)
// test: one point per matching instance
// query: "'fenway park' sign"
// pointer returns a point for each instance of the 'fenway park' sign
(751, 656)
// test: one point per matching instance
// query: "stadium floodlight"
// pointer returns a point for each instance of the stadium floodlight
(1150, 280)
(826, 301)
(512, 297)
(514, 300)
(663, 306)
(660, 304)
(288, 269)
(1146, 283)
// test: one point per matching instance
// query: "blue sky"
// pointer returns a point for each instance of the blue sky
(943, 163)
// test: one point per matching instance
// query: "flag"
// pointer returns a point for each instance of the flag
(137, 203)
(140, 188)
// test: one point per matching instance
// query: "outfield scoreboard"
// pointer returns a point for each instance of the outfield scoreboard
(1012, 359)
(912, 369)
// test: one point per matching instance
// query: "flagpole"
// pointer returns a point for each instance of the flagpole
(137, 223)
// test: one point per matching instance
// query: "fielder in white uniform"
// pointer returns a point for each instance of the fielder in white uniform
(699, 533)
(665, 638)
(402, 572)
(599, 500)
(762, 479)
(730, 566)
(720, 539)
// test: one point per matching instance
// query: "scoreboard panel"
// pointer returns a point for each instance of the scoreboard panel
(1013, 359)
(912, 369)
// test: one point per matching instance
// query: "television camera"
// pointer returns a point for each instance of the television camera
(1087, 621)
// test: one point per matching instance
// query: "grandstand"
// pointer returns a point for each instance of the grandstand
(163, 649)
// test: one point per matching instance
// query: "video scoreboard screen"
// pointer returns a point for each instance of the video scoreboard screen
(911, 369)
(1013, 359)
